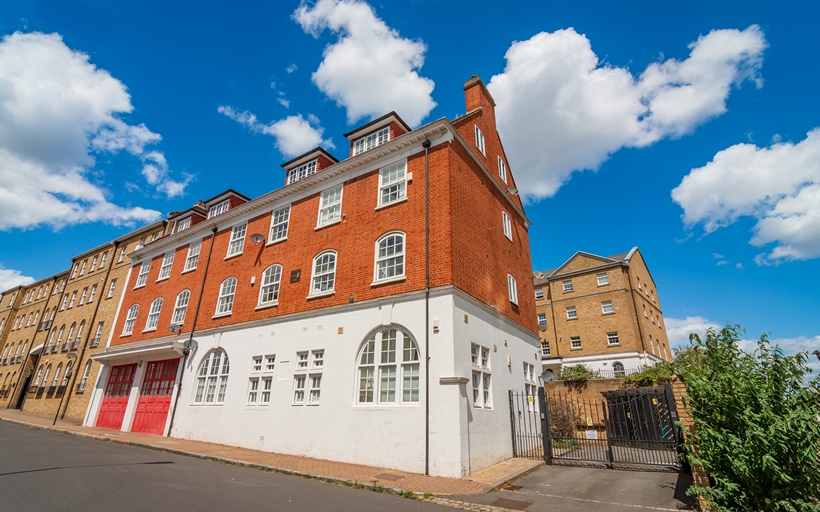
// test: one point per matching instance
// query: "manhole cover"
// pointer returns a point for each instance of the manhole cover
(389, 476)
(511, 504)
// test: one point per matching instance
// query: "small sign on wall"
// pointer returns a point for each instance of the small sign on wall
(295, 275)
(592, 434)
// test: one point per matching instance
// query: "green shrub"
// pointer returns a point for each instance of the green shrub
(579, 373)
(756, 424)
(661, 373)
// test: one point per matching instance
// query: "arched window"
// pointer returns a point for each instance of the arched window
(56, 346)
(618, 369)
(70, 336)
(128, 328)
(50, 341)
(45, 377)
(19, 349)
(79, 335)
(212, 378)
(10, 351)
(36, 317)
(57, 374)
(84, 380)
(181, 307)
(226, 292)
(388, 368)
(324, 273)
(389, 257)
(25, 347)
(39, 375)
(68, 368)
(153, 314)
(269, 292)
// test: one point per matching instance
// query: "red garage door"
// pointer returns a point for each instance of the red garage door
(112, 410)
(155, 397)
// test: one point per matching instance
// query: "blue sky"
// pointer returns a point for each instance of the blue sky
(685, 130)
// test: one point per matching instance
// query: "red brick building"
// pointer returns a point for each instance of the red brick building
(388, 294)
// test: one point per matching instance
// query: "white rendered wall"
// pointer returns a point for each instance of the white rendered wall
(486, 432)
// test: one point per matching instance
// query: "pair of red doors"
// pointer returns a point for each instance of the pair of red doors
(154, 400)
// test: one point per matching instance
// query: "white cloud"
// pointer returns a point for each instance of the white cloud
(561, 110)
(282, 101)
(778, 185)
(290, 69)
(10, 278)
(679, 329)
(371, 69)
(57, 111)
(294, 134)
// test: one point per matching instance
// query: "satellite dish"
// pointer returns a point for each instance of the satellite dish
(174, 327)
(542, 327)
(257, 238)
(548, 376)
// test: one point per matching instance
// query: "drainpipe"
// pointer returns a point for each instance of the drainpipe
(193, 329)
(426, 146)
(93, 321)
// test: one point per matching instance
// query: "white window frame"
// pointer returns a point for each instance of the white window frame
(98, 334)
(390, 259)
(303, 171)
(393, 183)
(502, 170)
(607, 308)
(122, 253)
(181, 307)
(62, 307)
(539, 294)
(371, 140)
(544, 315)
(388, 369)
(330, 206)
(479, 140)
(212, 379)
(130, 320)
(73, 299)
(299, 385)
(92, 294)
(237, 242)
(567, 286)
(269, 289)
(279, 224)
(512, 288)
(572, 313)
(142, 278)
(167, 264)
(92, 269)
(545, 348)
(192, 259)
(603, 279)
(182, 224)
(324, 276)
(82, 298)
(85, 264)
(507, 223)
(610, 336)
(103, 257)
(111, 288)
(219, 208)
(153, 315)
(227, 293)
(84, 379)
(575, 343)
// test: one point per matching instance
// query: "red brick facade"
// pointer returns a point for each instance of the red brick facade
(468, 247)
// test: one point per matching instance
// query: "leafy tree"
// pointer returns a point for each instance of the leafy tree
(660, 373)
(756, 423)
(578, 372)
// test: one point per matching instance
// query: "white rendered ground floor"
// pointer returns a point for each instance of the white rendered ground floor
(609, 365)
(348, 384)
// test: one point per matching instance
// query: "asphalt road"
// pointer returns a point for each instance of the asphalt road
(48, 471)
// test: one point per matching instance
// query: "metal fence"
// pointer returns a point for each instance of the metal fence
(525, 417)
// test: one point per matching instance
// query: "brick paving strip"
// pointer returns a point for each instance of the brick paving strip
(353, 475)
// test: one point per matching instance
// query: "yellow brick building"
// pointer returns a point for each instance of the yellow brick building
(76, 310)
(602, 312)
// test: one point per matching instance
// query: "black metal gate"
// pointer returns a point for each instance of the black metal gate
(527, 435)
(628, 427)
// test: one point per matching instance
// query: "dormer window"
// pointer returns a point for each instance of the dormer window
(301, 172)
(183, 224)
(371, 141)
(218, 208)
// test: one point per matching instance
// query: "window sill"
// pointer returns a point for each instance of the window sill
(232, 256)
(136, 288)
(577, 348)
(568, 291)
(126, 335)
(605, 284)
(187, 270)
(573, 318)
(220, 315)
(514, 303)
(323, 226)
(391, 203)
(607, 314)
(149, 330)
(277, 241)
(614, 345)
(266, 306)
(321, 294)
(389, 280)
